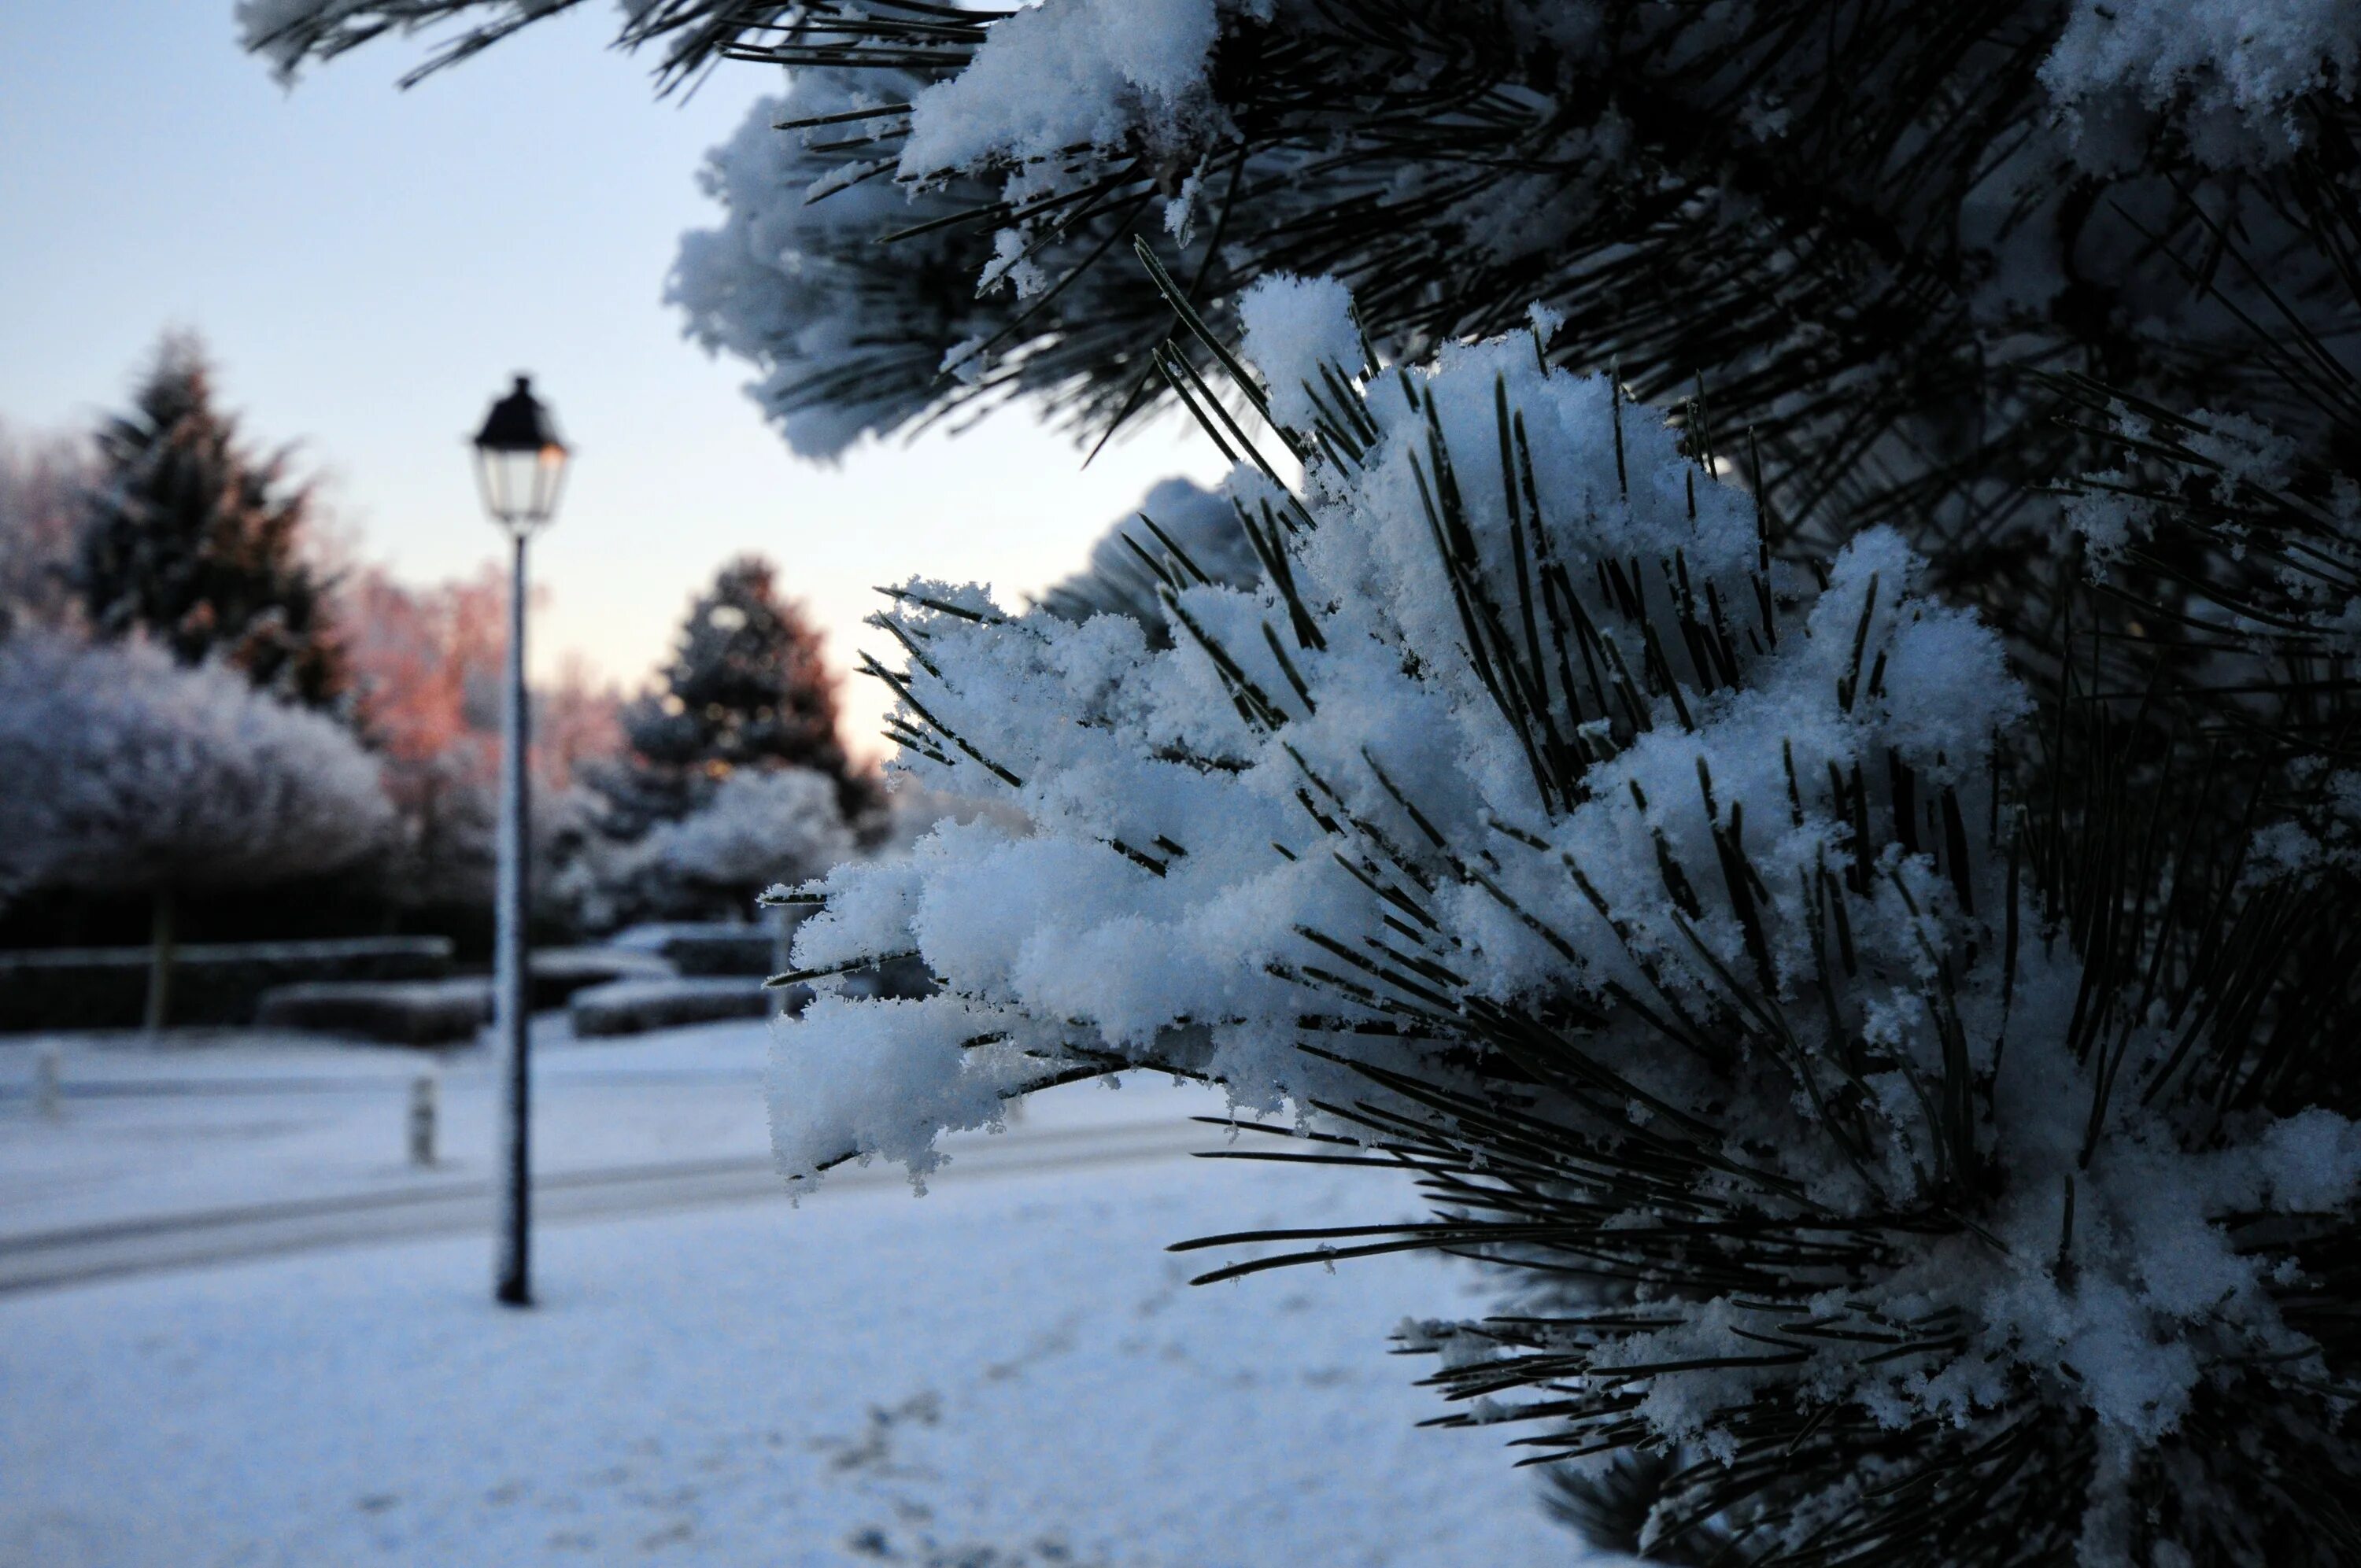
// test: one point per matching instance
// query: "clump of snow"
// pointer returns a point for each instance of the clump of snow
(888, 1076)
(790, 279)
(1293, 327)
(2241, 61)
(1062, 74)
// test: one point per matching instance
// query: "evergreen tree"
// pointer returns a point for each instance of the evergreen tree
(747, 687)
(1873, 229)
(1895, 1062)
(197, 541)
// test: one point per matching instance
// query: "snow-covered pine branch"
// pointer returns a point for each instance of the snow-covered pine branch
(1864, 225)
(1122, 575)
(1669, 911)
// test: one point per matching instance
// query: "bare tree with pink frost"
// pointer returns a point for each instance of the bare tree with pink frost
(122, 770)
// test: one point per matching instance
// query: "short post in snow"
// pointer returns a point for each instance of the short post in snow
(422, 1119)
(45, 1085)
(520, 468)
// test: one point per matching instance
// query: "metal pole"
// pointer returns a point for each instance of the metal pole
(512, 981)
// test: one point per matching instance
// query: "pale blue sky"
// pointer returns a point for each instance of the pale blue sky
(368, 266)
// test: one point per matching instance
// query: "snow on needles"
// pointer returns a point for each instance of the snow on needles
(1062, 74)
(2232, 60)
(1523, 736)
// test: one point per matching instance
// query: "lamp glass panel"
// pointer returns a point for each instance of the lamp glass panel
(509, 480)
(548, 474)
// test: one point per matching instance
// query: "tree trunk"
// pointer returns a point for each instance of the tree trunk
(159, 960)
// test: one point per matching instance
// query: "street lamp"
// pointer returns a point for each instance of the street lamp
(519, 468)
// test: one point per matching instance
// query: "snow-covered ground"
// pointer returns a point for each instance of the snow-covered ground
(226, 1118)
(1009, 1372)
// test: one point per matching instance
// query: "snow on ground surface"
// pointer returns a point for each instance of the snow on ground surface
(228, 1117)
(212, 1119)
(1009, 1373)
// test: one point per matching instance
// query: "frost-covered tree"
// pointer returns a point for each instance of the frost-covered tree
(1910, 1105)
(123, 771)
(199, 543)
(747, 687)
(1873, 229)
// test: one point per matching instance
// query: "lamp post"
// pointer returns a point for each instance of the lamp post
(520, 468)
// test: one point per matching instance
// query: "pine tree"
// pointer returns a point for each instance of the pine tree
(1894, 1061)
(1904, 1096)
(194, 541)
(1873, 229)
(747, 687)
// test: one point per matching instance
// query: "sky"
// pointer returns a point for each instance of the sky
(370, 266)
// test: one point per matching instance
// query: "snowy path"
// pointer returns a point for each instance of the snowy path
(1008, 1374)
(80, 1254)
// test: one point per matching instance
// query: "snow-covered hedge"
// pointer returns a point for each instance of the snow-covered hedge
(705, 947)
(400, 1012)
(636, 1006)
(1669, 905)
(216, 982)
(559, 972)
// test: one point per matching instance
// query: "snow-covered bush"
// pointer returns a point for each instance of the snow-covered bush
(123, 770)
(1892, 1162)
(762, 825)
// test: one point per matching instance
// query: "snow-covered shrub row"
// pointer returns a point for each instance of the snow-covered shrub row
(403, 1012)
(1669, 908)
(636, 1006)
(215, 983)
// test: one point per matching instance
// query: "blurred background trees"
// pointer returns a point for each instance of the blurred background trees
(217, 727)
(746, 689)
(43, 480)
(197, 541)
(122, 770)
